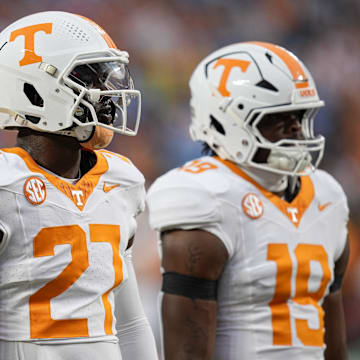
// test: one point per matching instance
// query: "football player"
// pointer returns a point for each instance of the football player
(253, 237)
(67, 221)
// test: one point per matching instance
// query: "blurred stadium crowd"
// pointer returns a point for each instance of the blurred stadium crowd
(167, 38)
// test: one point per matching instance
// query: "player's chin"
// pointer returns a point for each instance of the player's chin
(105, 118)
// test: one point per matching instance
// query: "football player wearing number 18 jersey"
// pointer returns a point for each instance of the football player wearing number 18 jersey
(67, 218)
(253, 237)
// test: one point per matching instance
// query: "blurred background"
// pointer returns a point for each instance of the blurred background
(167, 38)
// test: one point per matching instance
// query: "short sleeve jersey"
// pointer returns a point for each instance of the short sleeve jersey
(281, 255)
(62, 253)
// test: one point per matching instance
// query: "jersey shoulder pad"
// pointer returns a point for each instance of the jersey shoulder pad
(329, 192)
(327, 187)
(179, 198)
(205, 172)
(121, 170)
(12, 167)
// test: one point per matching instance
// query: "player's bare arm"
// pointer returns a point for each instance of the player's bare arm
(335, 335)
(190, 319)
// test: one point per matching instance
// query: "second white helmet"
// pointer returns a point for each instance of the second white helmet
(233, 89)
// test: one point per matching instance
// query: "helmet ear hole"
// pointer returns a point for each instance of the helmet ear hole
(33, 119)
(33, 96)
(216, 124)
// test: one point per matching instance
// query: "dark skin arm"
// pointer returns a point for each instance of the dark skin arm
(189, 325)
(335, 334)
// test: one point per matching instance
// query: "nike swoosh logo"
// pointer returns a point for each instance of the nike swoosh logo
(108, 188)
(322, 207)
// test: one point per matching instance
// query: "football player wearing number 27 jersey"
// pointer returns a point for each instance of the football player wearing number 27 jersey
(67, 221)
(253, 237)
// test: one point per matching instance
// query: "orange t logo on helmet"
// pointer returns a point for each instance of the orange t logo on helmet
(228, 65)
(28, 32)
(290, 60)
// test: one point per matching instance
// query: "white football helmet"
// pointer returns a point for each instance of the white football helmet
(233, 89)
(57, 69)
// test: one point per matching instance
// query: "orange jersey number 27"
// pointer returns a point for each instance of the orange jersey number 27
(41, 323)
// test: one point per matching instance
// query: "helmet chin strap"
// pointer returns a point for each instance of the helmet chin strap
(270, 181)
(101, 139)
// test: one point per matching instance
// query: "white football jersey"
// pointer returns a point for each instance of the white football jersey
(64, 246)
(281, 255)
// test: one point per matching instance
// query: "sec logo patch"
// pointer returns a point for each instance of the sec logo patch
(252, 206)
(35, 190)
